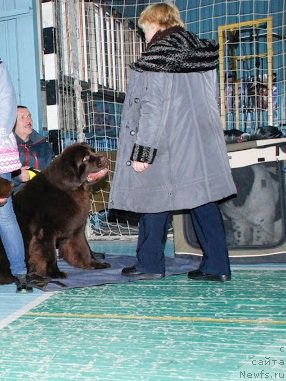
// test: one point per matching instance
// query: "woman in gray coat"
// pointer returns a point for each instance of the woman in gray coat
(172, 154)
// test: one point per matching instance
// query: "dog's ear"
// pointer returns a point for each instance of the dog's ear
(81, 168)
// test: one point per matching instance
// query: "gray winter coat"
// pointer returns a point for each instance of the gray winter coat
(177, 115)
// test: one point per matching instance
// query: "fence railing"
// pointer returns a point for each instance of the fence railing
(60, 140)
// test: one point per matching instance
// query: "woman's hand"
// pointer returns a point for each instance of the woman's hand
(138, 166)
(24, 176)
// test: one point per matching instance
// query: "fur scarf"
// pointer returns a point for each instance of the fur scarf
(175, 50)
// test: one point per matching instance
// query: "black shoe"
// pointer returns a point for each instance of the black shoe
(22, 283)
(200, 275)
(132, 272)
(96, 255)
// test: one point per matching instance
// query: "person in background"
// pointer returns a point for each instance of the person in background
(10, 233)
(35, 151)
(172, 153)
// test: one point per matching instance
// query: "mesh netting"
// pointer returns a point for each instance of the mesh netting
(97, 40)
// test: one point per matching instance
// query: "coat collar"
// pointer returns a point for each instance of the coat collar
(175, 50)
(35, 138)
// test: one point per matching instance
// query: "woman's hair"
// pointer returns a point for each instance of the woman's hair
(165, 15)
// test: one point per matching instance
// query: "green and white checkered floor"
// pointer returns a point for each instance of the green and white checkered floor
(166, 330)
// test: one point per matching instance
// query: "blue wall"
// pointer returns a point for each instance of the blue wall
(19, 49)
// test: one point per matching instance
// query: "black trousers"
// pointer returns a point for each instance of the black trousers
(209, 229)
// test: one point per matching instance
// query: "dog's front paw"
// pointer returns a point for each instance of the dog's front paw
(100, 265)
(58, 275)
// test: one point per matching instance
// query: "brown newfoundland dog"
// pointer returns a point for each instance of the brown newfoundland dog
(52, 211)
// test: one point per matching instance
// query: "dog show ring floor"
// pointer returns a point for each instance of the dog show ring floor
(170, 329)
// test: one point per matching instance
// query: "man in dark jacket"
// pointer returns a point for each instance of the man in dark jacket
(35, 151)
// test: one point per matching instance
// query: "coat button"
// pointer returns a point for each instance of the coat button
(128, 162)
(132, 132)
(136, 100)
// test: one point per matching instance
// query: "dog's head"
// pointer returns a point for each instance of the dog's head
(79, 165)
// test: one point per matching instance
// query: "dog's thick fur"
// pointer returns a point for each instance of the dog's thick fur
(6, 188)
(52, 211)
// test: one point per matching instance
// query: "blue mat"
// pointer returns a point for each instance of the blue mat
(87, 278)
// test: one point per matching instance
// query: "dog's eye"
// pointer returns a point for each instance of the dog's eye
(86, 158)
